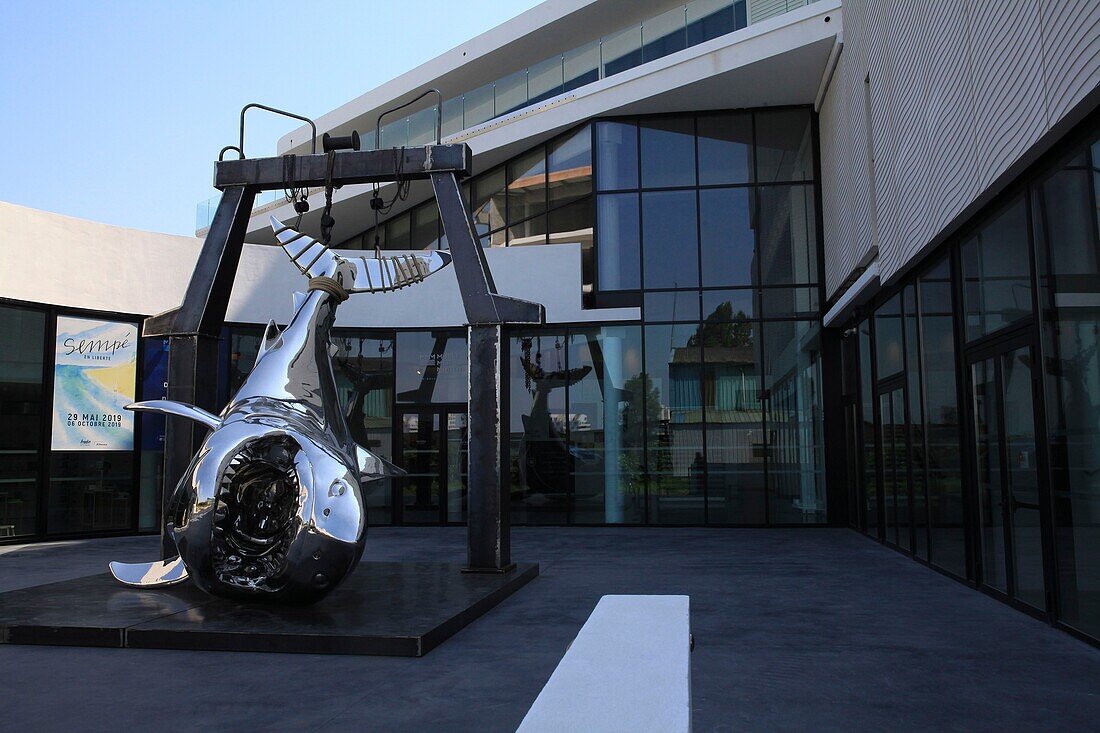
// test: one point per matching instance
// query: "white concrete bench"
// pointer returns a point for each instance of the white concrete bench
(629, 669)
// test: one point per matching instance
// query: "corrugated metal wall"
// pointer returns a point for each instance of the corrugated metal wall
(958, 92)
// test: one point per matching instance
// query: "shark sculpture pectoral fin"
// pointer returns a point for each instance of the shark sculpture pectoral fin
(178, 409)
(373, 467)
(149, 574)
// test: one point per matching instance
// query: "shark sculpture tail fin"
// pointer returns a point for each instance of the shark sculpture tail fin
(310, 256)
(371, 274)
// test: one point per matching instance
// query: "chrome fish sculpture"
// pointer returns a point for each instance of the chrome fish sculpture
(272, 507)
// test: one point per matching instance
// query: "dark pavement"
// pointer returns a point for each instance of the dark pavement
(814, 629)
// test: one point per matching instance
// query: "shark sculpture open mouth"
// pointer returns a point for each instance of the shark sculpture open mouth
(271, 508)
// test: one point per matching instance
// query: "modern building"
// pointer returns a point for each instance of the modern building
(804, 264)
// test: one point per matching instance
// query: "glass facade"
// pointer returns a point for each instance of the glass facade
(543, 196)
(22, 406)
(58, 491)
(980, 392)
(707, 410)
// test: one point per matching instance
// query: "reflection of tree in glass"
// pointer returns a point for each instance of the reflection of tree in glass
(723, 328)
(641, 395)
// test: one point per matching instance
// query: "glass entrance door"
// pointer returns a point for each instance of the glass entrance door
(1005, 463)
(432, 449)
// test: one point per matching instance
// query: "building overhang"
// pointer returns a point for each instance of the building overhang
(779, 61)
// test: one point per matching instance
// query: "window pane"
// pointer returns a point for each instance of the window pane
(431, 367)
(573, 223)
(674, 425)
(668, 152)
(425, 226)
(538, 433)
(532, 231)
(90, 492)
(728, 239)
(729, 305)
(618, 242)
(21, 362)
(527, 186)
(487, 202)
(784, 146)
(888, 338)
(789, 302)
(941, 414)
(868, 474)
(544, 80)
(679, 305)
(788, 235)
(617, 156)
(570, 166)
(622, 50)
(916, 423)
(244, 345)
(664, 34)
(1067, 209)
(735, 421)
(605, 425)
(670, 248)
(154, 386)
(997, 274)
(725, 149)
(796, 457)
(364, 371)
(398, 232)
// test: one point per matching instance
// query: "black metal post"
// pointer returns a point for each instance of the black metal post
(195, 327)
(193, 330)
(488, 529)
(489, 544)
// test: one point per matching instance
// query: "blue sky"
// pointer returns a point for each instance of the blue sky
(115, 111)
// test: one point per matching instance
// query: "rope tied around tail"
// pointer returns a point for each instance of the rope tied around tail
(329, 285)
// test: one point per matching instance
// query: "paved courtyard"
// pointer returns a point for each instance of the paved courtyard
(814, 629)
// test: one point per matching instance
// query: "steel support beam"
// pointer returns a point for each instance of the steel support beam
(488, 529)
(193, 330)
(366, 166)
(195, 327)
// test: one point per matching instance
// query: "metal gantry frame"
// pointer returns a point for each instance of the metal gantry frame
(194, 328)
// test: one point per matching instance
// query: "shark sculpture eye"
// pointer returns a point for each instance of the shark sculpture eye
(256, 513)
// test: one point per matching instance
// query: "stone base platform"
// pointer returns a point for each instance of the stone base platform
(383, 608)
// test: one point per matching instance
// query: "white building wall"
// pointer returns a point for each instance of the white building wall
(59, 260)
(959, 92)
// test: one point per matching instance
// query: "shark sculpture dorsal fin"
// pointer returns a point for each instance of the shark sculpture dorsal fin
(270, 339)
